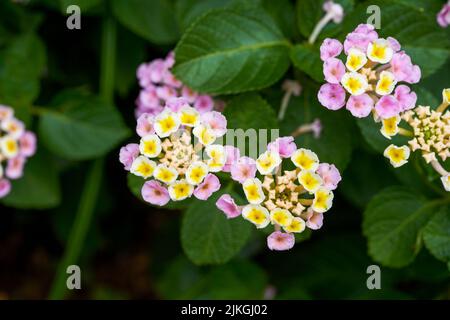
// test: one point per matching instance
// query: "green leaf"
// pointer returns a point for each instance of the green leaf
(282, 11)
(21, 65)
(231, 51)
(392, 223)
(153, 20)
(208, 237)
(39, 187)
(307, 59)
(436, 235)
(415, 28)
(81, 126)
(309, 12)
(335, 142)
(188, 11)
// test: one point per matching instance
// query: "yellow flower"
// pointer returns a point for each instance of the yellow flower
(196, 172)
(310, 180)
(446, 96)
(297, 225)
(204, 134)
(305, 159)
(267, 162)
(386, 84)
(380, 51)
(143, 167)
(9, 147)
(281, 217)
(356, 59)
(355, 83)
(189, 116)
(446, 182)
(390, 126)
(253, 191)
(166, 123)
(180, 190)
(323, 200)
(150, 146)
(398, 156)
(218, 157)
(257, 215)
(165, 174)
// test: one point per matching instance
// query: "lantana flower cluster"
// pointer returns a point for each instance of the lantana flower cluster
(16, 146)
(372, 78)
(170, 154)
(159, 86)
(290, 200)
(429, 133)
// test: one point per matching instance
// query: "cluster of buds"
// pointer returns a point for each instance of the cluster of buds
(16, 146)
(171, 153)
(429, 133)
(368, 81)
(159, 86)
(290, 200)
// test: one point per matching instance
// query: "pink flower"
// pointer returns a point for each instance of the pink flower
(216, 121)
(280, 241)
(204, 103)
(170, 59)
(153, 192)
(205, 189)
(330, 175)
(330, 48)
(27, 144)
(227, 205)
(333, 70)
(233, 154)
(175, 104)
(189, 94)
(360, 106)
(405, 97)
(360, 37)
(315, 220)
(14, 169)
(332, 96)
(285, 146)
(5, 112)
(443, 17)
(387, 107)
(128, 154)
(394, 44)
(144, 125)
(292, 86)
(336, 9)
(148, 97)
(5, 187)
(243, 169)
(166, 92)
(156, 70)
(170, 80)
(403, 68)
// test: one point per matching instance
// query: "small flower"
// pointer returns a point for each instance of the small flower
(217, 157)
(380, 51)
(356, 59)
(205, 189)
(150, 146)
(204, 103)
(128, 154)
(330, 175)
(310, 180)
(144, 125)
(314, 220)
(443, 17)
(233, 154)
(386, 84)
(243, 169)
(333, 70)
(216, 121)
(166, 123)
(446, 182)
(256, 214)
(330, 48)
(5, 188)
(405, 97)
(253, 191)
(284, 146)
(196, 172)
(268, 161)
(335, 9)
(355, 83)
(14, 169)
(292, 86)
(297, 225)
(323, 200)
(390, 126)
(305, 159)
(332, 96)
(446, 96)
(164, 174)
(281, 217)
(205, 134)
(189, 116)
(180, 190)
(27, 144)
(280, 241)
(176, 104)
(9, 147)
(227, 205)
(398, 156)
(387, 107)
(153, 192)
(143, 167)
(360, 106)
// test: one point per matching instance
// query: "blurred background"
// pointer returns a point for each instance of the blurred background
(132, 250)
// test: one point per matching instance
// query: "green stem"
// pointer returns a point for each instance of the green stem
(92, 185)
